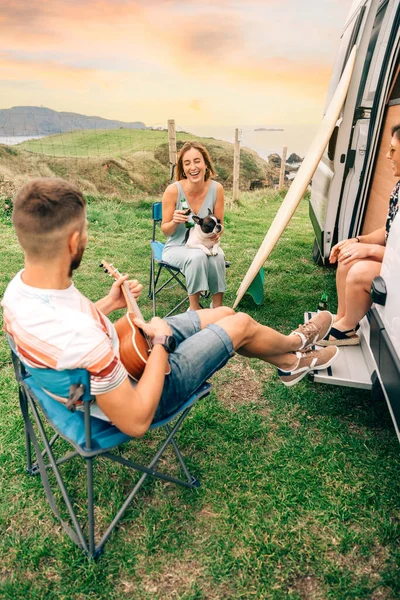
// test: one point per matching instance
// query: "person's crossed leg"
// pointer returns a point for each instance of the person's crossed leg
(292, 354)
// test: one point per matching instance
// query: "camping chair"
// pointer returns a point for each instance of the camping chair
(90, 437)
(176, 277)
(157, 264)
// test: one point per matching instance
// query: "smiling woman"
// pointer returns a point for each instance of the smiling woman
(194, 189)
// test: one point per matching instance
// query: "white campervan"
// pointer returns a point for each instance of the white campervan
(351, 188)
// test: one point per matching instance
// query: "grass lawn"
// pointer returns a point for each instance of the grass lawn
(102, 142)
(300, 487)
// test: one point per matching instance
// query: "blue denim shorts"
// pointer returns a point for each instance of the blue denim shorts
(199, 354)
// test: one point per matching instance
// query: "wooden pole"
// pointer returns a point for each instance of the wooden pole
(172, 147)
(282, 172)
(236, 167)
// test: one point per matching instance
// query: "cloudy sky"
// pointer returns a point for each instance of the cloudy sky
(204, 62)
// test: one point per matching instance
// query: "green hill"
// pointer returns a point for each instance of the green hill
(120, 162)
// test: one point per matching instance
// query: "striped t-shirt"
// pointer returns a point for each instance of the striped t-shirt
(62, 329)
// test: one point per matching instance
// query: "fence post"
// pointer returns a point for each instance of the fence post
(236, 167)
(282, 172)
(172, 147)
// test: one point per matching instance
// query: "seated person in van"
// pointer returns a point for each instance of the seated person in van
(359, 261)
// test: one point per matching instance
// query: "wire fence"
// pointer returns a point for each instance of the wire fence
(110, 156)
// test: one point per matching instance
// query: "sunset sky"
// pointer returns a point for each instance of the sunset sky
(201, 62)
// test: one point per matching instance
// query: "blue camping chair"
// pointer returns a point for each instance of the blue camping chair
(175, 277)
(90, 437)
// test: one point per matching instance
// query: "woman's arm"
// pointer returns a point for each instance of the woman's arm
(375, 238)
(171, 217)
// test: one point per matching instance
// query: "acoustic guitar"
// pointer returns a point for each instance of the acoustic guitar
(134, 345)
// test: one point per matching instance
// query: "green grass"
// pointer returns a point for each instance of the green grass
(102, 142)
(299, 493)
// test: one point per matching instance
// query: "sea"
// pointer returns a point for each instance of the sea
(11, 140)
(264, 139)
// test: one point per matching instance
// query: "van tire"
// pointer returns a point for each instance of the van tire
(316, 254)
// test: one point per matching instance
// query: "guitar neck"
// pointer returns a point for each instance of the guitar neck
(131, 303)
(132, 306)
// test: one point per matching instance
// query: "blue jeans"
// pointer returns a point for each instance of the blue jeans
(199, 354)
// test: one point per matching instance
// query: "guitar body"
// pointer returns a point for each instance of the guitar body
(133, 347)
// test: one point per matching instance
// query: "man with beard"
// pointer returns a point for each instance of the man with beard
(54, 326)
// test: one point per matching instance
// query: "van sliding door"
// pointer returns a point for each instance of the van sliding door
(327, 183)
(382, 91)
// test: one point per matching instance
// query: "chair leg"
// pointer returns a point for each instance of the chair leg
(191, 479)
(28, 448)
(90, 508)
(75, 534)
(154, 283)
(151, 277)
(149, 470)
(176, 307)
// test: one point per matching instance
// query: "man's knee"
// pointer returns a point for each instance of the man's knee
(243, 322)
(224, 311)
(239, 326)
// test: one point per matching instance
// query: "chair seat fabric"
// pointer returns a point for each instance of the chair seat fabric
(158, 248)
(71, 425)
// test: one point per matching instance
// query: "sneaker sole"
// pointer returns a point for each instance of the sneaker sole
(315, 368)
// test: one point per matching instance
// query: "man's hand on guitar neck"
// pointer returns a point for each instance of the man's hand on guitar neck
(115, 298)
(154, 327)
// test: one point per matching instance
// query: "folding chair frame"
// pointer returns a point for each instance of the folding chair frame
(175, 274)
(46, 460)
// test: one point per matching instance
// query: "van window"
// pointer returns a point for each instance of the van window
(347, 41)
(371, 47)
(352, 35)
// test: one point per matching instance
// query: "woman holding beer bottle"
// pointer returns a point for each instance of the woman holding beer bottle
(194, 193)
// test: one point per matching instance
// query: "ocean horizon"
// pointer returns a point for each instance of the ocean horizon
(263, 139)
(269, 139)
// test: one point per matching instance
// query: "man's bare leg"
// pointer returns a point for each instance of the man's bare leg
(252, 339)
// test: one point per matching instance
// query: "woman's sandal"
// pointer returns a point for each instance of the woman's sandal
(340, 338)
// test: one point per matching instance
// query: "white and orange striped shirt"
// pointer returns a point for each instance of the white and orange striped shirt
(62, 329)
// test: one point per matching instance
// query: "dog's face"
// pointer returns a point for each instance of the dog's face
(210, 225)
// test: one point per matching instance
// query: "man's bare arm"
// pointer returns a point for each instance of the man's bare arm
(132, 409)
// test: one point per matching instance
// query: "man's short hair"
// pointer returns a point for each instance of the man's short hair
(43, 209)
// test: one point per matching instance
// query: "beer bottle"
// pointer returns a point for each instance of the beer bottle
(185, 206)
(323, 303)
